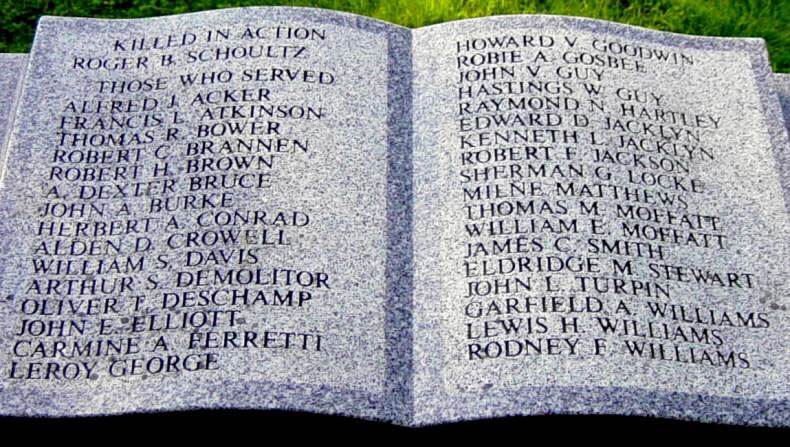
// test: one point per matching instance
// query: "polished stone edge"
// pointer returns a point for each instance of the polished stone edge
(12, 72)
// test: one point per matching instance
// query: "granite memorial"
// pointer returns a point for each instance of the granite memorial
(292, 208)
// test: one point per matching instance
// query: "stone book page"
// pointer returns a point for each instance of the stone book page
(599, 223)
(12, 69)
(197, 212)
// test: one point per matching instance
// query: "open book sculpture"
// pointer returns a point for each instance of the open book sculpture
(302, 209)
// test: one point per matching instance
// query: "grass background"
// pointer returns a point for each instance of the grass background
(769, 19)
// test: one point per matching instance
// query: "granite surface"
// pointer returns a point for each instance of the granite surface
(380, 186)
(729, 77)
(12, 68)
(351, 179)
(782, 84)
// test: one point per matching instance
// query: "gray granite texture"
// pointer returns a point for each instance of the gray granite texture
(12, 69)
(782, 84)
(729, 78)
(379, 183)
(351, 182)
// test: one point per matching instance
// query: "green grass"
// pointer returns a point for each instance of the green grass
(769, 19)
